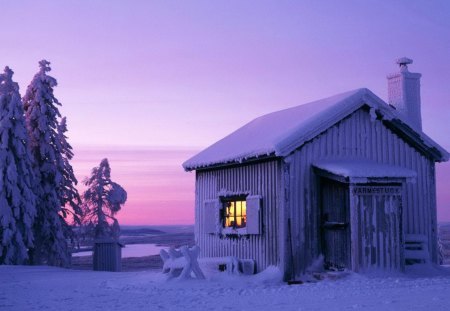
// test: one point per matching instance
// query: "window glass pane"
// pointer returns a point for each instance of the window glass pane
(235, 214)
(231, 213)
(244, 213)
(238, 212)
(238, 208)
(227, 215)
(227, 218)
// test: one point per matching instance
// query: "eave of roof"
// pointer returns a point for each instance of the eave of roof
(357, 168)
(313, 119)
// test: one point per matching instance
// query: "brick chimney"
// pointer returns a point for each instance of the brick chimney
(404, 93)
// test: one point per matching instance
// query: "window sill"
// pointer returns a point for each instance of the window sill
(231, 231)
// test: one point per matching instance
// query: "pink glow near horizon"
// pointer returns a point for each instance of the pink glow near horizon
(181, 73)
(159, 191)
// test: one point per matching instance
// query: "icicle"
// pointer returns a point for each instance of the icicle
(373, 114)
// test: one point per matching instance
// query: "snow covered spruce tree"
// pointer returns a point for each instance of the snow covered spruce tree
(56, 182)
(17, 200)
(102, 200)
(71, 201)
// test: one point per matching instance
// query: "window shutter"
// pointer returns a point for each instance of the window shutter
(254, 214)
(211, 216)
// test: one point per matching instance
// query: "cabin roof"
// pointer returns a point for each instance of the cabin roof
(281, 132)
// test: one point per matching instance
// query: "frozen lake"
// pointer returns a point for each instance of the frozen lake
(132, 250)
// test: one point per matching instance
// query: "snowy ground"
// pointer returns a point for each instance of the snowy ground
(47, 288)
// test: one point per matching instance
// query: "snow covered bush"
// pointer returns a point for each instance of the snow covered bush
(102, 200)
(17, 200)
(56, 182)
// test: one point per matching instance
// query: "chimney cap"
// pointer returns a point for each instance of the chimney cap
(403, 62)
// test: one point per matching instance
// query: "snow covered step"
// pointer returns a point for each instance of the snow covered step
(247, 266)
(230, 264)
(416, 249)
(417, 254)
(416, 238)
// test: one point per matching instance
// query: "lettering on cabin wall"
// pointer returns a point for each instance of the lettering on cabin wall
(377, 190)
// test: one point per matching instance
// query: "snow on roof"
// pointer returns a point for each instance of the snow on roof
(281, 132)
(361, 168)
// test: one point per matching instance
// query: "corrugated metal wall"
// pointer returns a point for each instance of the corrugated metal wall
(356, 136)
(261, 178)
(376, 230)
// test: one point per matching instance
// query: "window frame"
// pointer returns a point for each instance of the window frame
(228, 199)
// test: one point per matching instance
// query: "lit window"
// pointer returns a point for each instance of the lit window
(235, 213)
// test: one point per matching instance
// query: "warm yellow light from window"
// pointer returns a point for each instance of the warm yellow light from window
(231, 209)
(236, 214)
(244, 212)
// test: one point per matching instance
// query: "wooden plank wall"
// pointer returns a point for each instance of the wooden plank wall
(356, 136)
(335, 208)
(261, 178)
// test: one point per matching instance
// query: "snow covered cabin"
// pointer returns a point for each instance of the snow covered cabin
(347, 177)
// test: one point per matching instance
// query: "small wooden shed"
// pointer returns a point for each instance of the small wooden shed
(107, 255)
(346, 177)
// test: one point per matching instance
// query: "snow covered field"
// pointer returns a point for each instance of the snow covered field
(47, 288)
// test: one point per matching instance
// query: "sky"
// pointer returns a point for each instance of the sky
(158, 189)
(149, 83)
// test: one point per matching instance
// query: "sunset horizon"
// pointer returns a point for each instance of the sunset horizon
(182, 76)
(135, 211)
(225, 155)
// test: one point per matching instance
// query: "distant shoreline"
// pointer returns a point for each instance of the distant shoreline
(176, 236)
(166, 236)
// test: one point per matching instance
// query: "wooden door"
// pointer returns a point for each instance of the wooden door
(377, 227)
(335, 224)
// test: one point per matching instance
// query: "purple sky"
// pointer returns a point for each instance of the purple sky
(182, 74)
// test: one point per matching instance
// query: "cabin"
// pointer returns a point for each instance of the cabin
(349, 178)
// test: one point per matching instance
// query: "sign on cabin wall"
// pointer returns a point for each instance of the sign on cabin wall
(377, 190)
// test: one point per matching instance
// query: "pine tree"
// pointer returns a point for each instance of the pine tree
(56, 183)
(69, 196)
(102, 200)
(17, 200)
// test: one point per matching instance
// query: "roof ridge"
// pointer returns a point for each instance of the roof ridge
(281, 132)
